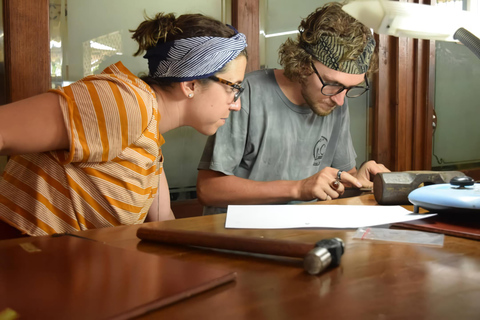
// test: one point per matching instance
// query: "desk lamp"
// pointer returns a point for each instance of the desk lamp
(413, 20)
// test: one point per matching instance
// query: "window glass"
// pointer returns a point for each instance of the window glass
(456, 136)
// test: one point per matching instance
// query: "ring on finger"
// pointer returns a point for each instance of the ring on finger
(339, 176)
(335, 184)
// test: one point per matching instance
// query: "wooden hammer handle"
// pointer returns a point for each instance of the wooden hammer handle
(227, 242)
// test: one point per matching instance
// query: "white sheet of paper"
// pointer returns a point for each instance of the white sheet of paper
(315, 216)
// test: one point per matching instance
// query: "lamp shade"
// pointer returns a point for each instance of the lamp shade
(403, 19)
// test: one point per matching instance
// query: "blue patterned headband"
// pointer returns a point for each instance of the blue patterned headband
(193, 58)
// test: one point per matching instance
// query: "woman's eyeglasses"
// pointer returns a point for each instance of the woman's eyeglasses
(238, 89)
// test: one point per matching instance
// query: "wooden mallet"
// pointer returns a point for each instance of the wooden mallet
(316, 258)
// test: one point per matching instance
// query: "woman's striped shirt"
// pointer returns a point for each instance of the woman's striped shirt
(110, 174)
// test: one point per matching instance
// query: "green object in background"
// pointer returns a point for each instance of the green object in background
(8, 314)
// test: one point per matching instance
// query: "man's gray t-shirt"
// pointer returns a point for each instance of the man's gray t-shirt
(271, 138)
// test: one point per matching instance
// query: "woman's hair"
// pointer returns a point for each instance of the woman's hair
(328, 20)
(165, 27)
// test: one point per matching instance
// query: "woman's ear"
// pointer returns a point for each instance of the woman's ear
(188, 88)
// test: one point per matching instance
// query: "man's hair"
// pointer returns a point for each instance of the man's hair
(329, 20)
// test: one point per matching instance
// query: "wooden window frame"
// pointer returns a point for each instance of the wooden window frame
(27, 48)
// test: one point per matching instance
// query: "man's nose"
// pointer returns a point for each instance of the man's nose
(339, 98)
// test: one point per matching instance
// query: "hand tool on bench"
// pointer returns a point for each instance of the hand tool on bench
(394, 187)
(316, 257)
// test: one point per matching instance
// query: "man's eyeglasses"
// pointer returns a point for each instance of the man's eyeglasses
(334, 89)
(238, 89)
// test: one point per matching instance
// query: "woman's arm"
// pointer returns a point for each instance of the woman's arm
(160, 209)
(33, 125)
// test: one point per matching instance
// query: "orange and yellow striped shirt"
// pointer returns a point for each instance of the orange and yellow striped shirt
(110, 174)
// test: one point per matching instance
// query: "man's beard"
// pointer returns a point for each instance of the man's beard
(314, 106)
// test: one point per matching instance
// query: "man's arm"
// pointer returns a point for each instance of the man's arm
(217, 189)
(32, 125)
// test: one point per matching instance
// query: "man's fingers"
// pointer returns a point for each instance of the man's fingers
(374, 168)
(347, 177)
(368, 184)
(329, 194)
(384, 169)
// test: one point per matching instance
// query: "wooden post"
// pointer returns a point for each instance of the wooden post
(27, 48)
(403, 105)
(245, 18)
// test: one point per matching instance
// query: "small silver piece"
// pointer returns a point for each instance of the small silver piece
(339, 175)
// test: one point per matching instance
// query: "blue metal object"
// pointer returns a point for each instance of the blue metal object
(446, 197)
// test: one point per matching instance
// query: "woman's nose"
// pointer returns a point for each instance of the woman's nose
(235, 106)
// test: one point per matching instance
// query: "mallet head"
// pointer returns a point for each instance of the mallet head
(326, 252)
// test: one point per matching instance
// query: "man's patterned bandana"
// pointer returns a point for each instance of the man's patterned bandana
(329, 51)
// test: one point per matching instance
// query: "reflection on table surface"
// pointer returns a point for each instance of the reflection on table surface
(376, 280)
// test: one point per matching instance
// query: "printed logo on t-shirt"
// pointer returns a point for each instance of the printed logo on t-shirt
(319, 150)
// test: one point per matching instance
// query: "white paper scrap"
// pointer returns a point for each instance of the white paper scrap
(315, 216)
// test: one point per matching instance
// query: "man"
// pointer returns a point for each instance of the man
(291, 140)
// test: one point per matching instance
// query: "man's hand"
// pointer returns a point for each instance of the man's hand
(324, 185)
(367, 171)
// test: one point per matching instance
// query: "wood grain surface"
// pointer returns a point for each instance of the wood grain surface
(376, 280)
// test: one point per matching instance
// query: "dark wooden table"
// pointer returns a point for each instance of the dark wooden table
(374, 281)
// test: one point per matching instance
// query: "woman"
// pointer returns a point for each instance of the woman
(88, 155)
